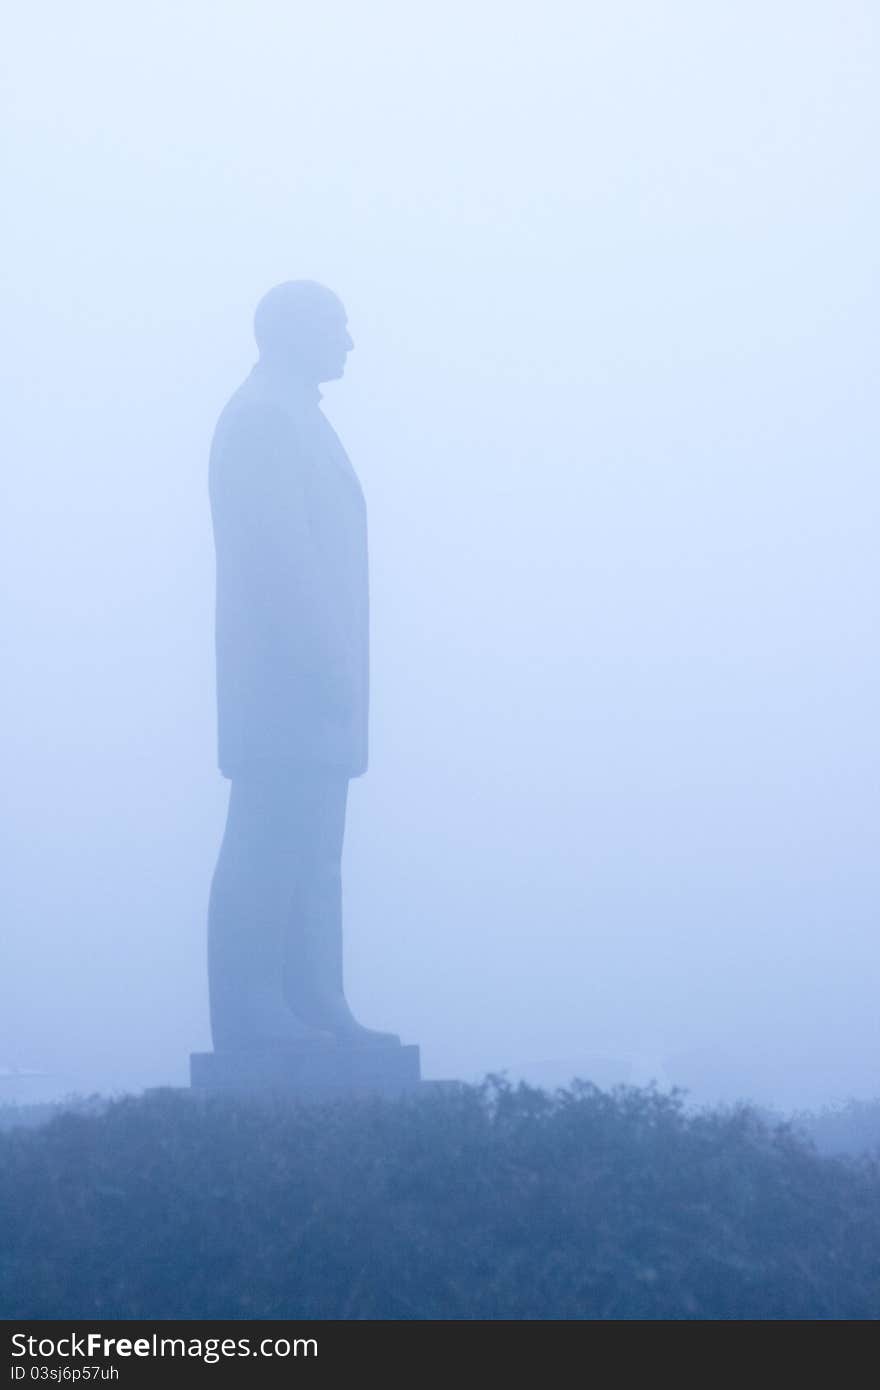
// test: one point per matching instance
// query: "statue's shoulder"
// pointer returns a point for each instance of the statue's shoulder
(250, 419)
(252, 438)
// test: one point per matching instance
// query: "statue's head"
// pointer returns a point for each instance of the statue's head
(301, 327)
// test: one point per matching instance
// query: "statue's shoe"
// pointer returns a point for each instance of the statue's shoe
(331, 1014)
(267, 1022)
(355, 1032)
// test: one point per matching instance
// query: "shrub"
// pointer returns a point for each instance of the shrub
(466, 1202)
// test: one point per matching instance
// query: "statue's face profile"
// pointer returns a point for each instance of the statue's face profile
(303, 327)
(328, 342)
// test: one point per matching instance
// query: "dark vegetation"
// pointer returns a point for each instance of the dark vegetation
(468, 1202)
(838, 1129)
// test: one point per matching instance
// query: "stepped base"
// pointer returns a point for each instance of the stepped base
(313, 1070)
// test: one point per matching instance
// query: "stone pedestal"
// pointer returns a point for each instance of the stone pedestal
(312, 1070)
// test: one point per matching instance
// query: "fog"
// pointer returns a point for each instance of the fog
(611, 275)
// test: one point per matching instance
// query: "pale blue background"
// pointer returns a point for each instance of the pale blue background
(611, 272)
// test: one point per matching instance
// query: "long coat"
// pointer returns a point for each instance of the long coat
(292, 614)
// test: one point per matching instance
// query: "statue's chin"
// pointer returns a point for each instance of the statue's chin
(333, 372)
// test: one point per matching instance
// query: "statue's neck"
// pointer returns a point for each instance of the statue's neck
(283, 380)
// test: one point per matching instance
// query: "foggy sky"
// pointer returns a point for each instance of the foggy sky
(611, 274)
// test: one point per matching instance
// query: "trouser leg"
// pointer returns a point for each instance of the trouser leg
(313, 924)
(247, 915)
(313, 951)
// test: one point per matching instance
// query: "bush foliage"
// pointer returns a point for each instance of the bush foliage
(469, 1202)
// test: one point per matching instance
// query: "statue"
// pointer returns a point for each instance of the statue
(292, 684)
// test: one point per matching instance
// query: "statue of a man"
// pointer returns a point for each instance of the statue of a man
(292, 683)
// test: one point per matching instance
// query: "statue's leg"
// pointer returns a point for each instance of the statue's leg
(248, 909)
(313, 935)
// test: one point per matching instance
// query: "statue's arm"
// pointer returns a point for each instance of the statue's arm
(262, 532)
